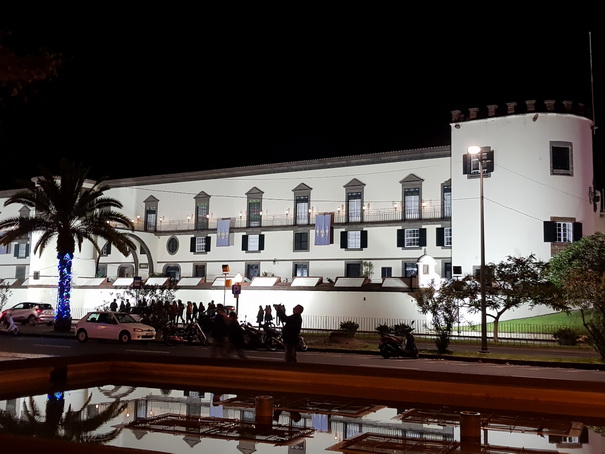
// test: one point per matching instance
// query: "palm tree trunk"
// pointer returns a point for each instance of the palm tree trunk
(63, 321)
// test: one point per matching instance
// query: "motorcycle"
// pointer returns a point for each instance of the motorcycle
(174, 334)
(253, 337)
(9, 323)
(392, 345)
(273, 339)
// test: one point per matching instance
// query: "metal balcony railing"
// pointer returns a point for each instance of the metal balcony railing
(431, 211)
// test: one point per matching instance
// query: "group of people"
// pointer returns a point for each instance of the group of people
(265, 315)
(177, 311)
(228, 337)
(226, 332)
(292, 325)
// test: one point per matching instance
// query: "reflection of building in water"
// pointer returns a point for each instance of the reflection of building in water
(353, 426)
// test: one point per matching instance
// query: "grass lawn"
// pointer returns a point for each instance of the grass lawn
(571, 320)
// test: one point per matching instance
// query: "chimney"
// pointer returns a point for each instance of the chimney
(510, 107)
(550, 105)
(456, 115)
(491, 110)
(472, 113)
(531, 105)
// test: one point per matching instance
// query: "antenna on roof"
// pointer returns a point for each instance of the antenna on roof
(594, 121)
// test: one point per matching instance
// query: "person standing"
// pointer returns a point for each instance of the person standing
(235, 334)
(189, 311)
(113, 306)
(180, 312)
(291, 331)
(268, 314)
(260, 316)
(194, 312)
(219, 333)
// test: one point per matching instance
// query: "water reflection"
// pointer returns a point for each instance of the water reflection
(226, 421)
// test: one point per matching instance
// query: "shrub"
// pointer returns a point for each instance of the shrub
(566, 336)
(401, 329)
(349, 327)
(383, 329)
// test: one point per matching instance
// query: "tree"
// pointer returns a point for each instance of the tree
(70, 209)
(56, 423)
(578, 271)
(510, 284)
(5, 294)
(367, 269)
(443, 304)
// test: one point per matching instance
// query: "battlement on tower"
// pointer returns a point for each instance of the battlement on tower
(513, 108)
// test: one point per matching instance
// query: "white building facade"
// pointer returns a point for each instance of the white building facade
(342, 236)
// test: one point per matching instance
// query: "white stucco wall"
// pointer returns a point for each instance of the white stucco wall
(521, 193)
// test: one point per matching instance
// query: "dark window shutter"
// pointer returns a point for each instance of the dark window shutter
(466, 164)
(108, 249)
(245, 243)
(400, 237)
(440, 236)
(343, 240)
(489, 165)
(207, 244)
(16, 250)
(192, 244)
(550, 232)
(261, 242)
(364, 239)
(577, 231)
(422, 237)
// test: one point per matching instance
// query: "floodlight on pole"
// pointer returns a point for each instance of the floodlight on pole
(476, 151)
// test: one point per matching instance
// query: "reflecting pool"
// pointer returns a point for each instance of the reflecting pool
(227, 421)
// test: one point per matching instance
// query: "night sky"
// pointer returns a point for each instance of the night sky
(158, 92)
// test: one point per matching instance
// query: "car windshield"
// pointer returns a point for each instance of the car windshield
(125, 318)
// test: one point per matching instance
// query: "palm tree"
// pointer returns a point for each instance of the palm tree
(71, 209)
(70, 425)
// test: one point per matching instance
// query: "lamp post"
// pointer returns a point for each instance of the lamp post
(474, 150)
(225, 272)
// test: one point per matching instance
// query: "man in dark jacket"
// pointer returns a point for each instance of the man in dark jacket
(291, 331)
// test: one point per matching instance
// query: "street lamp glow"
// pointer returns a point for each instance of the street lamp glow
(476, 151)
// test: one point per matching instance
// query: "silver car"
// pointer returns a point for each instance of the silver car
(109, 325)
(31, 313)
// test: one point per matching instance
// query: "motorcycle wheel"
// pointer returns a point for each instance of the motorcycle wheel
(386, 353)
(169, 339)
(302, 345)
(272, 344)
(203, 339)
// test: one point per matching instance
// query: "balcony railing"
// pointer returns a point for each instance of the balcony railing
(432, 211)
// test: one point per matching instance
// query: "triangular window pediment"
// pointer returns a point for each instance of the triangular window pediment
(411, 178)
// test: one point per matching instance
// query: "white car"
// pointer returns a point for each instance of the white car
(108, 325)
(31, 313)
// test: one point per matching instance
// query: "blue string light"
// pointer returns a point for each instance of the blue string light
(64, 290)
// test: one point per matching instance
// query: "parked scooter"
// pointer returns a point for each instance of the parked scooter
(392, 345)
(9, 324)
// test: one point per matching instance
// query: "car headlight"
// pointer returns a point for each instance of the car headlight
(137, 330)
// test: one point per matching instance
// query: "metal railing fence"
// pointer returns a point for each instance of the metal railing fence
(520, 333)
